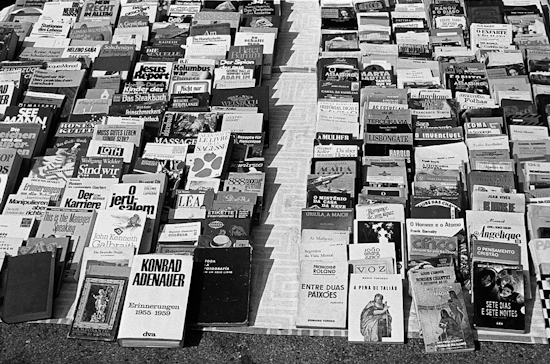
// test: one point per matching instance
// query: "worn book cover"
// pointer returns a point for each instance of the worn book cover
(327, 219)
(375, 313)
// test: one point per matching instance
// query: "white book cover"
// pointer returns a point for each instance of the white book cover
(50, 30)
(375, 313)
(382, 212)
(320, 236)
(16, 226)
(242, 123)
(37, 186)
(174, 233)
(217, 39)
(87, 193)
(210, 154)
(23, 204)
(115, 228)
(10, 246)
(153, 71)
(148, 9)
(105, 148)
(138, 197)
(81, 51)
(156, 300)
(135, 39)
(118, 133)
(372, 251)
(163, 151)
(327, 252)
(322, 294)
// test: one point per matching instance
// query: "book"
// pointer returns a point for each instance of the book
(444, 328)
(141, 197)
(375, 308)
(322, 296)
(211, 154)
(220, 290)
(74, 223)
(156, 300)
(29, 275)
(498, 297)
(86, 193)
(113, 228)
(99, 308)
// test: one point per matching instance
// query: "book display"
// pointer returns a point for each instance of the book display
(133, 155)
(164, 170)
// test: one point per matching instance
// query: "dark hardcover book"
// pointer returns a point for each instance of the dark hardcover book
(220, 299)
(62, 247)
(521, 112)
(220, 28)
(8, 43)
(341, 17)
(338, 69)
(10, 167)
(29, 287)
(486, 11)
(112, 66)
(235, 99)
(498, 295)
(327, 219)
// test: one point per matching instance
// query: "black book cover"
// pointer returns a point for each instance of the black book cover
(29, 287)
(220, 289)
(485, 11)
(498, 295)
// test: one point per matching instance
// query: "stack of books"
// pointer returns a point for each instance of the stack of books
(131, 142)
(431, 160)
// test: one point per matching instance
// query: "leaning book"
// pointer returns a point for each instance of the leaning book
(375, 308)
(445, 328)
(99, 308)
(155, 306)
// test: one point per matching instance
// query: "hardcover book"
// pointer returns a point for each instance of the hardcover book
(220, 299)
(30, 275)
(156, 300)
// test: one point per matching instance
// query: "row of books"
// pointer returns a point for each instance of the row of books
(132, 139)
(428, 164)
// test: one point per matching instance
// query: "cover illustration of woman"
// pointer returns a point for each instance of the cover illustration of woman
(376, 320)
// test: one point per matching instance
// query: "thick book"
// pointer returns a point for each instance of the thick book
(29, 287)
(220, 291)
(156, 300)
(322, 294)
(375, 308)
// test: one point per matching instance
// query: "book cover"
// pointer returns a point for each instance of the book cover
(445, 328)
(100, 167)
(220, 291)
(139, 197)
(113, 228)
(211, 154)
(86, 193)
(73, 223)
(322, 294)
(499, 297)
(99, 308)
(325, 219)
(375, 313)
(30, 275)
(156, 300)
